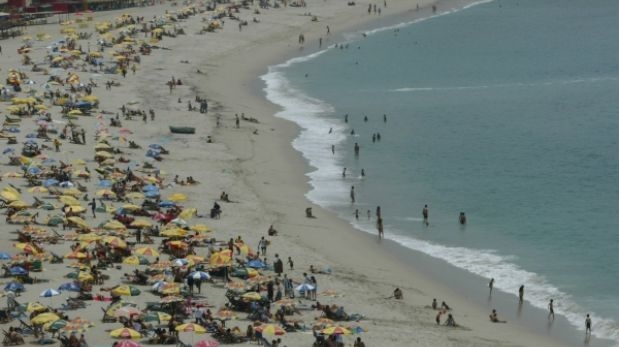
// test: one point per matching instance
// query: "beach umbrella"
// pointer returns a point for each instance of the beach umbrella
(125, 333)
(147, 251)
(126, 290)
(27, 247)
(69, 200)
(115, 242)
(256, 264)
(50, 182)
(114, 225)
(5, 256)
(136, 260)
(127, 343)
(55, 325)
(200, 275)
(192, 258)
(90, 237)
(236, 285)
(161, 265)
(171, 298)
(207, 343)
(18, 271)
(38, 189)
(156, 316)
(45, 318)
(48, 293)
(176, 197)
(105, 192)
(135, 195)
(225, 314)
(270, 329)
(201, 228)
(76, 255)
(79, 221)
(175, 232)
(303, 287)
(190, 327)
(180, 262)
(14, 287)
(127, 311)
(35, 306)
(219, 258)
(141, 223)
(66, 184)
(80, 275)
(170, 289)
(251, 296)
(336, 330)
(70, 287)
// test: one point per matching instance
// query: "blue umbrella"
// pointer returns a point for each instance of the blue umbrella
(166, 203)
(31, 136)
(152, 153)
(13, 130)
(14, 287)
(66, 184)
(34, 170)
(200, 275)
(8, 150)
(305, 287)
(50, 182)
(151, 194)
(256, 264)
(69, 287)
(31, 142)
(48, 293)
(5, 256)
(155, 146)
(18, 271)
(49, 161)
(105, 183)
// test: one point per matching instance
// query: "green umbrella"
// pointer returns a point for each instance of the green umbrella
(156, 316)
(57, 325)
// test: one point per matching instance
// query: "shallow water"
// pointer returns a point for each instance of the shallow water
(505, 111)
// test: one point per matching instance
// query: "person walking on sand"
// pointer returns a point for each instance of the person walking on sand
(521, 293)
(93, 207)
(379, 226)
(551, 310)
(352, 194)
(262, 245)
(424, 212)
(588, 325)
(491, 285)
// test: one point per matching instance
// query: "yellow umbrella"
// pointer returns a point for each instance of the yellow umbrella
(115, 241)
(12, 175)
(35, 306)
(103, 154)
(75, 113)
(125, 333)
(105, 192)
(177, 197)
(90, 237)
(220, 259)
(135, 195)
(336, 330)
(38, 189)
(191, 327)
(77, 208)
(176, 232)
(188, 213)
(131, 207)
(74, 192)
(10, 195)
(252, 296)
(79, 221)
(114, 225)
(102, 146)
(85, 276)
(126, 291)
(141, 223)
(69, 200)
(18, 204)
(149, 251)
(135, 260)
(27, 247)
(201, 228)
(45, 318)
(76, 255)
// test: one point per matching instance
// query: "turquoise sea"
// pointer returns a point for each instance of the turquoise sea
(507, 111)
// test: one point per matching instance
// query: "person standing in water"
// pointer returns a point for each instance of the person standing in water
(424, 213)
(332, 149)
(491, 285)
(357, 214)
(521, 293)
(362, 173)
(352, 194)
(551, 310)
(344, 173)
(384, 118)
(588, 325)
(346, 118)
(379, 226)
(462, 218)
(356, 149)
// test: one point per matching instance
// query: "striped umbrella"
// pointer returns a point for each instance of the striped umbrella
(270, 329)
(125, 333)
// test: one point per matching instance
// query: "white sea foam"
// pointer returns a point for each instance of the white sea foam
(314, 143)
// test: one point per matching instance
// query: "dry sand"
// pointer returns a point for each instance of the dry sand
(261, 172)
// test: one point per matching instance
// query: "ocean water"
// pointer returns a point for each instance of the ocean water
(507, 111)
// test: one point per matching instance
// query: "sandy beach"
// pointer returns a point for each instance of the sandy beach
(253, 163)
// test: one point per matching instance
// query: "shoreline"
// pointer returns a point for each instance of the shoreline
(292, 134)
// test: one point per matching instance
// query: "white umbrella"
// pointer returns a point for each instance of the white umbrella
(49, 293)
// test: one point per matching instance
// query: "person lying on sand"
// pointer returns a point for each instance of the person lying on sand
(494, 318)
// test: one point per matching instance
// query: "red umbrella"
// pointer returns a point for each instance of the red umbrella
(127, 343)
(207, 343)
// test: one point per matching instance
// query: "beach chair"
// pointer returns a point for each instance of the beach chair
(25, 328)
